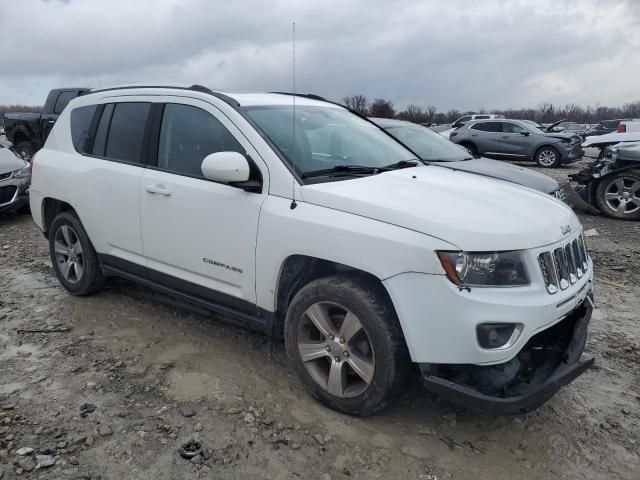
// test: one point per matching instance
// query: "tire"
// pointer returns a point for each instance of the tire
(618, 195)
(83, 274)
(26, 150)
(378, 349)
(469, 147)
(547, 157)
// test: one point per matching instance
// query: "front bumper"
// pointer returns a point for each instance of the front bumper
(549, 361)
(13, 194)
(572, 154)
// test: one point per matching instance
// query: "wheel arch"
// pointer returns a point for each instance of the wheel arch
(297, 271)
(50, 208)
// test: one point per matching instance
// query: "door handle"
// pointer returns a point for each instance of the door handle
(505, 136)
(51, 121)
(160, 189)
(474, 134)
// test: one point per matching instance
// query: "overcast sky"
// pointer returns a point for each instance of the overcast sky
(451, 54)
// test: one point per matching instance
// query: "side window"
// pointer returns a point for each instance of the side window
(482, 117)
(126, 132)
(463, 120)
(187, 135)
(508, 127)
(487, 127)
(100, 142)
(63, 99)
(80, 126)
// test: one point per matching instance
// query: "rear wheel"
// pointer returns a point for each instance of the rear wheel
(547, 157)
(618, 196)
(26, 150)
(344, 342)
(73, 256)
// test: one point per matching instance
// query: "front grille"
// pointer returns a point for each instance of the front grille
(7, 193)
(563, 266)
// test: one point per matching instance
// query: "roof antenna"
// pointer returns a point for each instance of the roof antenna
(294, 204)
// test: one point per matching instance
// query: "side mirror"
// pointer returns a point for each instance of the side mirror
(226, 167)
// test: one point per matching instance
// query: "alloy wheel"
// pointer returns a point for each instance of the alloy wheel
(335, 349)
(623, 195)
(547, 158)
(68, 253)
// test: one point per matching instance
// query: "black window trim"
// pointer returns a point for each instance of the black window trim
(94, 128)
(489, 120)
(154, 127)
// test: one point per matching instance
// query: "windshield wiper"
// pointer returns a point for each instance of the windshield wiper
(359, 169)
(347, 169)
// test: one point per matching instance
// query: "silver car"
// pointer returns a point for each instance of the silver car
(507, 139)
(14, 179)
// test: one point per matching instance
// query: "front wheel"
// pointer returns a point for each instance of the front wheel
(618, 196)
(344, 341)
(547, 157)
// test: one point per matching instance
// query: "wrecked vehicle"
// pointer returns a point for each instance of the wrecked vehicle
(294, 216)
(14, 179)
(611, 184)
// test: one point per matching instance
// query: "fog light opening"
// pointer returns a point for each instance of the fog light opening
(497, 335)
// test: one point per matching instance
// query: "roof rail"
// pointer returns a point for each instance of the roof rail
(194, 88)
(311, 96)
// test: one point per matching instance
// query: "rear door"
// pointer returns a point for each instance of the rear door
(200, 236)
(109, 200)
(515, 139)
(486, 136)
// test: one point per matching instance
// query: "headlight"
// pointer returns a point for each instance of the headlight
(22, 173)
(485, 269)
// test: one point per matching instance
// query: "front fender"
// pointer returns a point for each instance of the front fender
(378, 248)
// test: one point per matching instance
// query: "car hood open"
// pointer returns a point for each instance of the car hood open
(505, 171)
(473, 212)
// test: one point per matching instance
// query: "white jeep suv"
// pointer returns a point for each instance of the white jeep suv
(297, 217)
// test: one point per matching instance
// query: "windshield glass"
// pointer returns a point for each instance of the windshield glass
(326, 137)
(429, 145)
(532, 126)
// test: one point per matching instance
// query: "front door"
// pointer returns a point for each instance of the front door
(199, 236)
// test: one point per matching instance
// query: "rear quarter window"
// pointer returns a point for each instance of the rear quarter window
(80, 121)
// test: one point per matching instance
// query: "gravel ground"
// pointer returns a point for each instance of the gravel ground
(117, 382)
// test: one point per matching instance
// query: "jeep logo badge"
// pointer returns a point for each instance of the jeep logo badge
(565, 229)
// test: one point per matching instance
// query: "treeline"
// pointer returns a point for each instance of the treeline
(16, 108)
(545, 112)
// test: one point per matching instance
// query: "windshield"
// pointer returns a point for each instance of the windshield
(429, 145)
(326, 137)
(532, 126)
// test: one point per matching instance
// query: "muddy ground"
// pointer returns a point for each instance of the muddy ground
(155, 375)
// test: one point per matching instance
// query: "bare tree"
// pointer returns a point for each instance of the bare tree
(357, 103)
(413, 113)
(382, 108)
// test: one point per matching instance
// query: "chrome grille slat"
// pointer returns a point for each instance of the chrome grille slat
(563, 266)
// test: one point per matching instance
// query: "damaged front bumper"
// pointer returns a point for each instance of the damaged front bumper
(549, 360)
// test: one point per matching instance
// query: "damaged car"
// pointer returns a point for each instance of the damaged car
(611, 185)
(14, 179)
(294, 216)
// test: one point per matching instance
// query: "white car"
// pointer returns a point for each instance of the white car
(310, 222)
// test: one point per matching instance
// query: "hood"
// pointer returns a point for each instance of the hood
(505, 171)
(550, 127)
(9, 161)
(612, 138)
(563, 136)
(472, 212)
